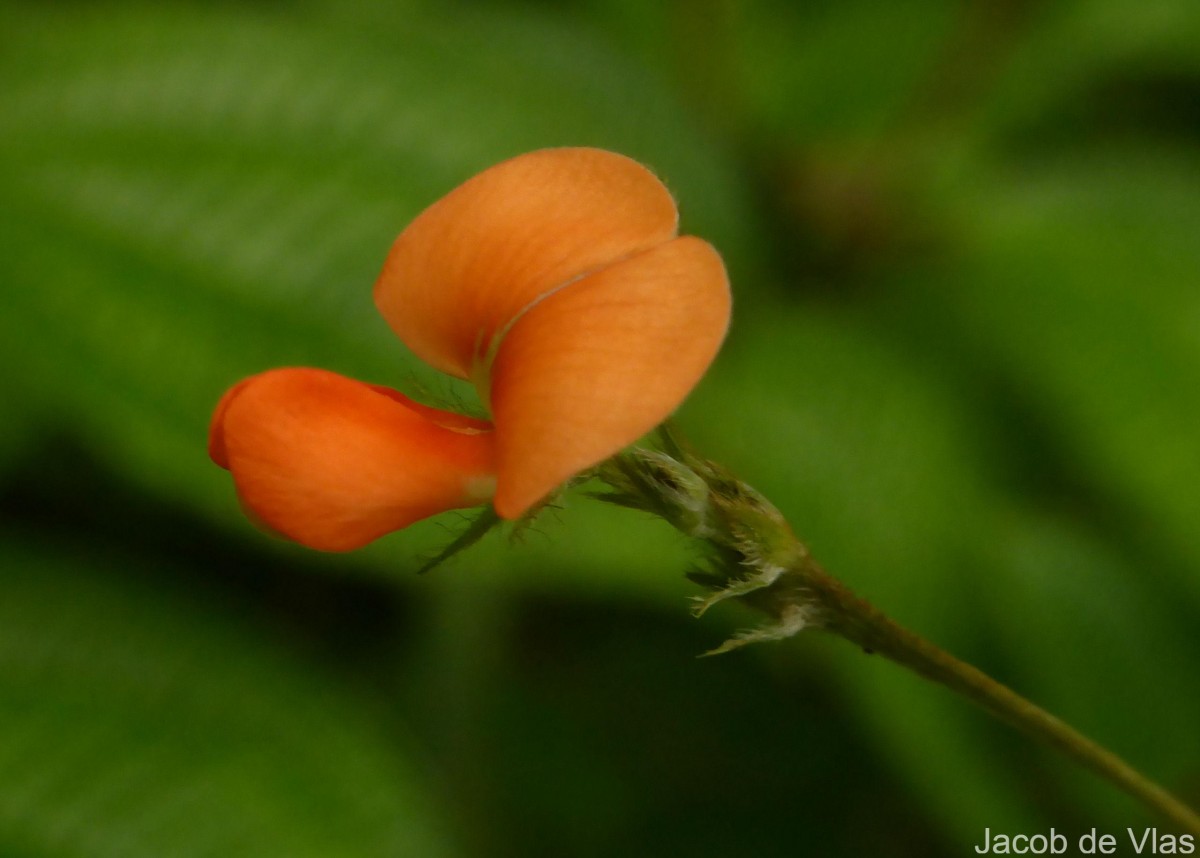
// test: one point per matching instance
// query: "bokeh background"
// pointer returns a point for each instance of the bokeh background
(965, 362)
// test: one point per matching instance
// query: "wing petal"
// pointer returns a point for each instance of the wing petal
(333, 463)
(595, 365)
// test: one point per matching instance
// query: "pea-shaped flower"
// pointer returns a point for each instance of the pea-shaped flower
(557, 284)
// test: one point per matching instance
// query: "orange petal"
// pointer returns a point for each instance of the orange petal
(333, 463)
(597, 364)
(216, 427)
(473, 260)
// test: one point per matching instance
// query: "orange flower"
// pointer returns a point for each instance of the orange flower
(556, 283)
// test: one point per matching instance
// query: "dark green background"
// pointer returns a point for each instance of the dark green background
(965, 361)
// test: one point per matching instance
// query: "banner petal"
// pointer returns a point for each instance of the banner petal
(473, 260)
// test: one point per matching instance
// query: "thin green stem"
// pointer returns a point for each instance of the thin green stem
(755, 558)
(863, 624)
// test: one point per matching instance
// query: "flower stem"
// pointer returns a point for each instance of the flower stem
(866, 626)
(755, 558)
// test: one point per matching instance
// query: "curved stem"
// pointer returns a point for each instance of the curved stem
(756, 558)
(863, 624)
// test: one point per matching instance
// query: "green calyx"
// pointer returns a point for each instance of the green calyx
(751, 554)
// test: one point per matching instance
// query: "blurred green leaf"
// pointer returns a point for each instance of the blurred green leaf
(1070, 56)
(837, 70)
(137, 718)
(785, 72)
(1079, 292)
